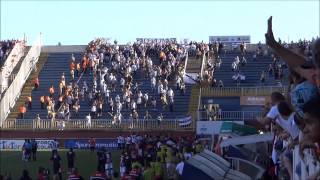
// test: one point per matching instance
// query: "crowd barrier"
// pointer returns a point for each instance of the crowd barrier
(12, 60)
(96, 124)
(308, 166)
(13, 92)
(240, 91)
(229, 115)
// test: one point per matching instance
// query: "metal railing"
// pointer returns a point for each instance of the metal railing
(249, 168)
(12, 60)
(14, 90)
(96, 124)
(229, 115)
(241, 91)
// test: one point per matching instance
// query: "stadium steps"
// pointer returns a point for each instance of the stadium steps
(28, 86)
(59, 62)
(252, 70)
(193, 65)
(193, 103)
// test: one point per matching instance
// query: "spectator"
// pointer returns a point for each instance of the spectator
(51, 91)
(29, 102)
(98, 175)
(34, 148)
(36, 83)
(148, 173)
(88, 118)
(42, 175)
(92, 143)
(312, 123)
(179, 167)
(263, 77)
(159, 119)
(42, 102)
(301, 93)
(56, 160)
(70, 159)
(25, 175)
(75, 175)
(221, 84)
(22, 111)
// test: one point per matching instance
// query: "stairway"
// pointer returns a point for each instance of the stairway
(193, 103)
(252, 70)
(28, 86)
(59, 62)
(193, 65)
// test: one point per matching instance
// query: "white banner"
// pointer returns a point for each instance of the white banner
(230, 39)
(156, 40)
(190, 78)
(18, 143)
(211, 127)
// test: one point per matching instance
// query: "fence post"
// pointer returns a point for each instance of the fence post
(242, 115)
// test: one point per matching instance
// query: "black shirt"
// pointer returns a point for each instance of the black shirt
(56, 161)
(70, 156)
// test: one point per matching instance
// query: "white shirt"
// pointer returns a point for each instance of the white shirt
(88, 119)
(93, 108)
(170, 93)
(179, 167)
(287, 124)
(146, 97)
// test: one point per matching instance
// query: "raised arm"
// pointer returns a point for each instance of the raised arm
(291, 58)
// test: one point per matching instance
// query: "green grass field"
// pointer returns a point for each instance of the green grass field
(86, 162)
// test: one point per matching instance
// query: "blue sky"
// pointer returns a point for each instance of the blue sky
(78, 22)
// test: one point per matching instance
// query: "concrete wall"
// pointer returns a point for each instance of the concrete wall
(61, 49)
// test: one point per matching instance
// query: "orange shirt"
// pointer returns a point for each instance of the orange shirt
(22, 109)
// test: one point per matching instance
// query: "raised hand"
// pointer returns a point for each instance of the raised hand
(270, 41)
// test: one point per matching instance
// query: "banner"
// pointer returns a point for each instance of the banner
(254, 100)
(230, 39)
(211, 127)
(156, 40)
(183, 122)
(190, 78)
(84, 143)
(18, 143)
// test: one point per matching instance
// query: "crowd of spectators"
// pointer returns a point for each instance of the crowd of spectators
(116, 73)
(147, 157)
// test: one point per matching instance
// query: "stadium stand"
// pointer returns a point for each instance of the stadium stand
(58, 63)
(240, 151)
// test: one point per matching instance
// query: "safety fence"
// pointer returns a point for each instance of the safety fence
(96, 124)
(229, 115)
(12, 60)
(240, 91)
(306, 166)
(13, 92)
